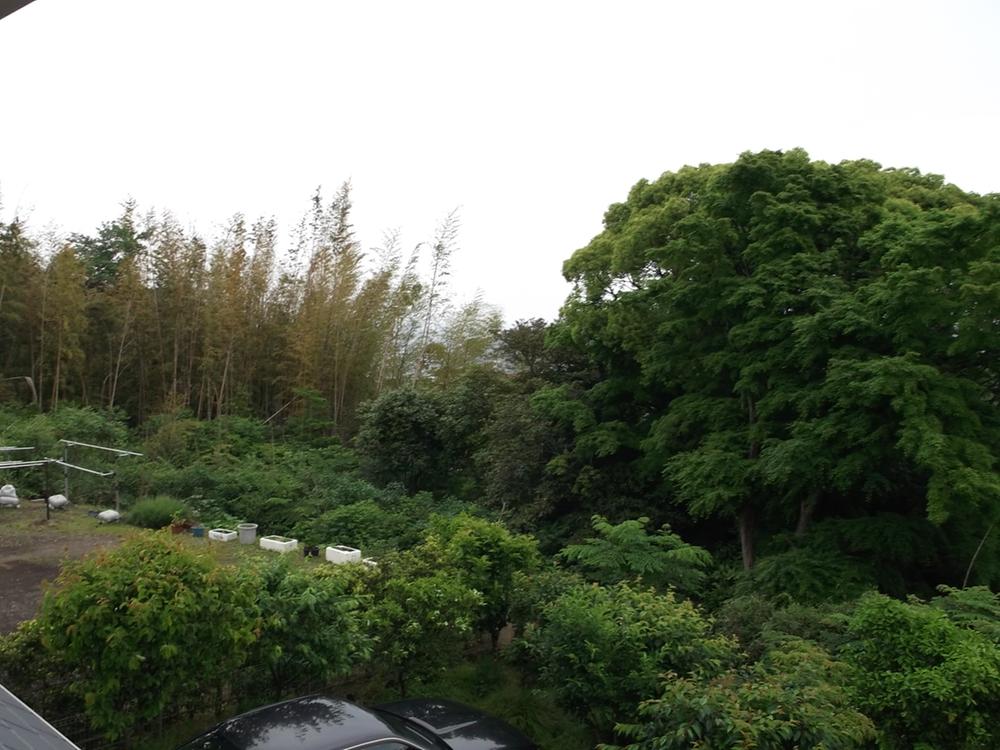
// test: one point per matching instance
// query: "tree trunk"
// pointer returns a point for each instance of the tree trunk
(806, 509)
(746, 527)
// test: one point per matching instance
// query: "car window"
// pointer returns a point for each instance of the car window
(388, 746)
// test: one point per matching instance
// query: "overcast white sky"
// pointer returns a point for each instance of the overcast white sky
(531, 116)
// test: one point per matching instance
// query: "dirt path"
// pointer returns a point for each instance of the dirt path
(32, 550)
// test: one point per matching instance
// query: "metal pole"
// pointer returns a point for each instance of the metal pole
(45, 490)
(115, 480)
(65, 471)
(119, 451)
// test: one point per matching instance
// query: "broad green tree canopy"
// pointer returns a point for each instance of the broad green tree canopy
(780, 337)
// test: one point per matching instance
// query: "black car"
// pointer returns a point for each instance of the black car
(318, 722)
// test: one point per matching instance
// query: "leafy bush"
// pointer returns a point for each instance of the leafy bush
(924, 681)
(420, 622)
(627, 551)
(148, 625)
(760, 623)
(402, 438)
(363, 525)
(977, 608)
(793, 699)
(488, 558)
(601, 650)
(156, 512)
(807, 575)
(309, 628)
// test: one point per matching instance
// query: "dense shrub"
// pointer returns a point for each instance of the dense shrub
(808, 575)
(488, 558)
(601, 649)
(364, 525)
(977, 608)
(148, 625)
(924, 680)
(309, 625)
(793, 699)
(627, 551)
(420, 621)
(156, 512)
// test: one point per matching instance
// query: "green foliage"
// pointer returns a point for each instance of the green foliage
(761, 623)
(532, 593)
(793, 699)
(488, 558)
(977, 608)
(401, 438)
(148, 625)
(807, 575)
(156, 512)
(601, 650)
(495, 687)
(924, 680)
(309, 626)
(420, 620)
(365, 525)
(28, 668)
(627, 550)
(43, 431)
(780, 338)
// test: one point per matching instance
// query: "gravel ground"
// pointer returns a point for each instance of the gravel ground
(31, 551)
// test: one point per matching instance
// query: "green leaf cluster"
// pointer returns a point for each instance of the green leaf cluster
(627, 551)
(922, 678)
(147, 626)
(601, 650)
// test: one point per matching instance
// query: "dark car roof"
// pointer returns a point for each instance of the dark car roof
(461, 727)
(315, 722)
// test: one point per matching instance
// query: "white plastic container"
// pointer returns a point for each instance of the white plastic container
(280, 544)
(369, 562)
(248, 532)
(338, 554)
(222, 535)
(58, 501)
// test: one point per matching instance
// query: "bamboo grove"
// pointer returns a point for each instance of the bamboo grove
(148, 317)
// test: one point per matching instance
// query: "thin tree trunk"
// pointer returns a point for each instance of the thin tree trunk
(806, 509)
(54, 401)
(746, 528)
(118, 361)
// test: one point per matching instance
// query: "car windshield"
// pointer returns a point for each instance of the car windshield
(410, 730)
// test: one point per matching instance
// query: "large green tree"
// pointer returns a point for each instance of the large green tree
(781, 337)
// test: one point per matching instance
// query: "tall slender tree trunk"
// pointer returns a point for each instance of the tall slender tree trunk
(806, 509)
(118, 359)
(54, 401)
(747, 518)
(746, 527)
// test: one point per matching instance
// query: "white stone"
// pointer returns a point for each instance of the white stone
(338, 554)
(280, 544)
(109, 516)
(222, 535)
